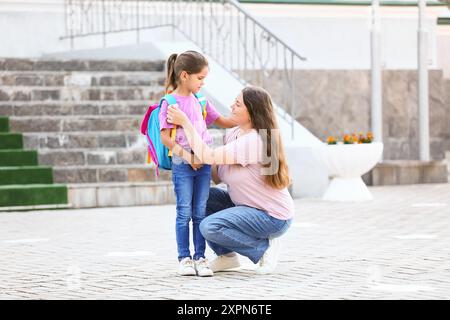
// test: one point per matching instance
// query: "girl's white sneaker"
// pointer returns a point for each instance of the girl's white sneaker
(202, 268)
(186, 267)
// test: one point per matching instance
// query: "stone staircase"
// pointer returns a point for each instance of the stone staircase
(83, 117)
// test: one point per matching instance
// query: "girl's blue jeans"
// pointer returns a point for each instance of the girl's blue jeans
(191, 191)
(245, 230)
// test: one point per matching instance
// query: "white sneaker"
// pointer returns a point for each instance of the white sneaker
(269, 260)
(202, 268)
(222, 263)
(186, 267)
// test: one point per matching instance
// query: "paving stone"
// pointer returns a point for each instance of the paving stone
(342, 251)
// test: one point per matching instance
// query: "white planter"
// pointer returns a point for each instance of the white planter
(346, 163)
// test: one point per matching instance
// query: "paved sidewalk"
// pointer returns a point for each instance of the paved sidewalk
(394, 247)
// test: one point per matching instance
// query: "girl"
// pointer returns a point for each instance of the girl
(186, 74)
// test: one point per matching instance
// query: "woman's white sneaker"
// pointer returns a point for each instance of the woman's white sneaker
(202, 268)
(269, 260)
(222, 263)
(186, 267)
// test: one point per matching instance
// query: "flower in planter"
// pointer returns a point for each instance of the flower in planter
(331, 140)
(352, 139)
(348, 139)
(361, 138)
(368, 138)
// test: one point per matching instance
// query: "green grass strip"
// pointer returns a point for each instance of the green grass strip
(17, 158)
(11, 141)
(28, 195)
(26, 175)
(4, 124)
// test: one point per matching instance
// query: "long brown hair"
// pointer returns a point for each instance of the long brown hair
(190, 61)
(263, 119)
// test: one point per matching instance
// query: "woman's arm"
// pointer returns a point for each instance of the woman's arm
(205, 154)
(177, 149)
(223, 122)
(214, 174)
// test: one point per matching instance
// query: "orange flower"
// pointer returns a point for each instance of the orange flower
(331, 140)
(348, 139)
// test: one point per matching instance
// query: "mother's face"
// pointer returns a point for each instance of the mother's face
(239, 112)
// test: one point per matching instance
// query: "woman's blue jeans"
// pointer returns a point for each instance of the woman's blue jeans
(228, 228)
(191, 191)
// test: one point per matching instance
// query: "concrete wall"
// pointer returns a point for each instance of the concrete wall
(331, 37)
(338, 37)
(336, 102)
(447, 112)
(443, 49)
(33, 28)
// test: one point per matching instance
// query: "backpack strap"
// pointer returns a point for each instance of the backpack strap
(202, 100)
(170, 101)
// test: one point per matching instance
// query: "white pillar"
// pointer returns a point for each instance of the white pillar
(424, 130)
(376, 79)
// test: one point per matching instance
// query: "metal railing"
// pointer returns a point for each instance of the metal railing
(223, 29)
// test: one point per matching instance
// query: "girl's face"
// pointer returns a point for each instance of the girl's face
(194, 82)
(239, 112)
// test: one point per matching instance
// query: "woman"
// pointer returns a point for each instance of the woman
(257, 208)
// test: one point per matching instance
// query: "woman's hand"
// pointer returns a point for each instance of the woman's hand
(176, 116)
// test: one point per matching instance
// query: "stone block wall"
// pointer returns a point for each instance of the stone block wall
(335, 102)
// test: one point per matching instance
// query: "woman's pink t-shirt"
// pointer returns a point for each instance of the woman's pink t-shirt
(191, 107)
(245, 180)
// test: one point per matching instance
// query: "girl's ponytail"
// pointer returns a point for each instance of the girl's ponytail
(171, 80)
(190, 61)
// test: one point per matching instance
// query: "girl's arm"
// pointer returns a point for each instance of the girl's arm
(224, 122)
(205, 154)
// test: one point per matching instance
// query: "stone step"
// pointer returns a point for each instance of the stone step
(109, 173)
(84, 140)
(75, 123)
(398, 172)
(13, 64)
(121, 194)
(83, 79)
(74, 108)
(95, 139)
(77, 93)
(36, 207)
(92, 157)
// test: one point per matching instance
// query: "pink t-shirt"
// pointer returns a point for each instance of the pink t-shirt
(191, 107)
(245, 181)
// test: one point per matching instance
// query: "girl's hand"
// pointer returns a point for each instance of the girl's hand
(176, 116)
(196, 166)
